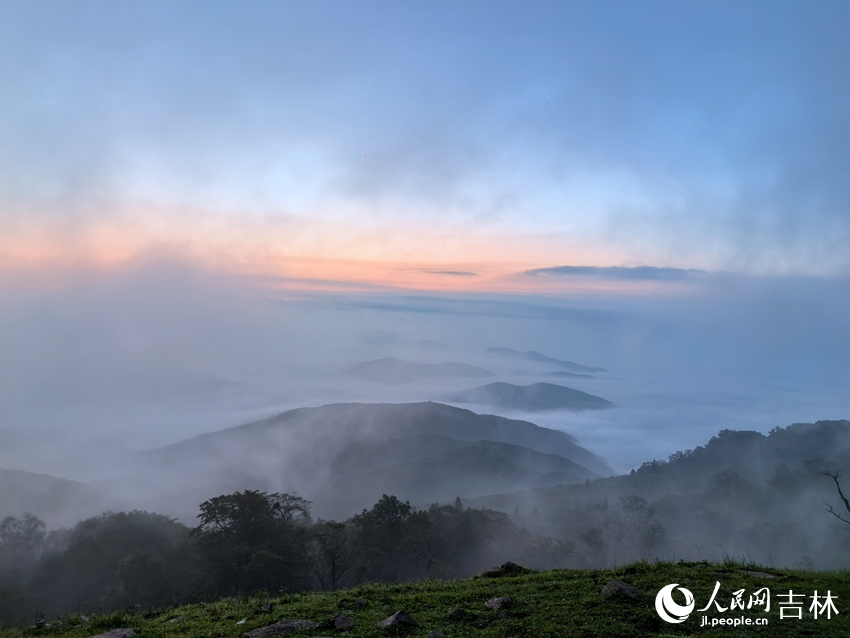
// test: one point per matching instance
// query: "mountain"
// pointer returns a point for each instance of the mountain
(345, 456)
(568, 375)
(531, 398)
(763, 496)
(531, 355)
(55, 500)
(397, 371)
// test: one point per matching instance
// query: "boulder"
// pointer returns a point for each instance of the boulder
(401, 617)
(619, 589)
(499, 603)
(508, 569)
(341, 621)
(278, 628)
(458, 613)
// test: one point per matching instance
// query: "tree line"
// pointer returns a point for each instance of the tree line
(245, 542)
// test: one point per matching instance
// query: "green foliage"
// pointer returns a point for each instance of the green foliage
(254, 540)
(118, 559)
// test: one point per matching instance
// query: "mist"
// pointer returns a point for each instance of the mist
(100, 367)
(573, 274)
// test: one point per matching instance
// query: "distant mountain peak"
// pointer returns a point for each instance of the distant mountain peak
(536, 397)
(532, 355)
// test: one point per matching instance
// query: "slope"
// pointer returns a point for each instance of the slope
(333, 453)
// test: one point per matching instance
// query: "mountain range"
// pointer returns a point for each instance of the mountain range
(536, 397)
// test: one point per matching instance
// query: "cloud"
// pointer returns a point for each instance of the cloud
(632, 273)
(456, 273)
(710, 134)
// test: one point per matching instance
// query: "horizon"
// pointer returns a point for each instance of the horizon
(212, 213)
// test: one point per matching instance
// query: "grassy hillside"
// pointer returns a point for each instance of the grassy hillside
(560, 603)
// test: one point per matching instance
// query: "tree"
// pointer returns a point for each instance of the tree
(254, 540)
(21, 543)
(629, 532)
(333, 555)
(118, 559)
(383, 538)
(835, 475)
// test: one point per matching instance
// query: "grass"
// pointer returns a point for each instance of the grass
(562, 603)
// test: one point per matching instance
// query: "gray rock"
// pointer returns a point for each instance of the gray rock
(499, 603)
(617, 588)
(401, 617)
(458, 613)
(341, 621)
(117, 633)
(436, 633)
(359, 603)
(508, 569)
(282, 627)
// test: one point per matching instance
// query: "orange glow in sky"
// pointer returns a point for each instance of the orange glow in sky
(312, 255)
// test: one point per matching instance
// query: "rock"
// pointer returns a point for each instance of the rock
(267, 607)
(39, 623)
(117, 633)
(508, 569)
(359, 603)
(499, 603)
(282, 627)
(401, 617)
(341, 621)
(458, 613)
(171, 621)
(436, 633)
(619, 589)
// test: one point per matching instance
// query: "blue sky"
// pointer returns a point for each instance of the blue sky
(498, 136)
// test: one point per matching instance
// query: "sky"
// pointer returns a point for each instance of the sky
(401, 144)
(204, 206)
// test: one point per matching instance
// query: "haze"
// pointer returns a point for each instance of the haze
(210, 212)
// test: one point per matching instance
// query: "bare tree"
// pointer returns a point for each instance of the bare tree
(333, 554)
(835, 475)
